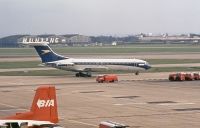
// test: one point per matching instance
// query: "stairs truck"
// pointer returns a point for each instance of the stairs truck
(181, 76)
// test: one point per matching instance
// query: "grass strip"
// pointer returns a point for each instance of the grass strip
(62, 72)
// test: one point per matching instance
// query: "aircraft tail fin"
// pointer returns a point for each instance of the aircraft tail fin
(44, 105)
(47, 54)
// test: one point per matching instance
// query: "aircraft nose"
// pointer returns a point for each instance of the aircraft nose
(147, 66)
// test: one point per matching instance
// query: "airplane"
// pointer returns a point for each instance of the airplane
(43, 112)
(84, 67)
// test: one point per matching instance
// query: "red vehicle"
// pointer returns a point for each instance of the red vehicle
(177, 77)
(106, 78)
(172, 77)
(180, 76)
(196, 76)
(189, 76)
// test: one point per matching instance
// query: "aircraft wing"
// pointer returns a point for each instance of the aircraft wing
(92, 68)
(75, 67)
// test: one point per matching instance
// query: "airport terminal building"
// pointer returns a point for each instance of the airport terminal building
(82, 40)
(66, 40)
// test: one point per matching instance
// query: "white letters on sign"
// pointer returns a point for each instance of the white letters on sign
(45, 103)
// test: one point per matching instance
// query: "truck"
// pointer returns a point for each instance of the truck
(189, 76)
(180, 76)
(196, 76)
(107, 78)
(177, 76)
(172, 77)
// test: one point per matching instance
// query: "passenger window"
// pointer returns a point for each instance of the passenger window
(24, 125)
(13, 125)
(3, 126)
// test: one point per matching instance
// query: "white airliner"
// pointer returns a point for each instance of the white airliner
(84, 67)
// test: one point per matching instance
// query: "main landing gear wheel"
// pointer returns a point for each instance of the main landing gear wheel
(77, 74)
(81, 74)
(137, 73)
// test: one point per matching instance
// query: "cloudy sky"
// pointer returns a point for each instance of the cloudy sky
(99, 17)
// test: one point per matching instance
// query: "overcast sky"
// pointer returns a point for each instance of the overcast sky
(99, 17)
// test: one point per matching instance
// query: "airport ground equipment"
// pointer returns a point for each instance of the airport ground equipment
(181, 76)
(189, 76)
(196, 76)
(106, 78)
(177, 76)
(109, 124)
(172, 77)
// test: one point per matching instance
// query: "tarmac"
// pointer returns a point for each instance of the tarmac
(145, 101)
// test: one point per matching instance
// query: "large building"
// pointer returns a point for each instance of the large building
(72, 40)
(164, 38)
(52, 39)
(79, 40)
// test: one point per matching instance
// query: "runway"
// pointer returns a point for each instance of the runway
(145, 101)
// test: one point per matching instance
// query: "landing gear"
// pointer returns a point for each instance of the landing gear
(82, 74)
(77, 74)
(137, 73)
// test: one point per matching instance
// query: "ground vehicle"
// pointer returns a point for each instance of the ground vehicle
(180, 76)
(177, 77)
(189, 76)
(172, 77)
(107, 78)
(196, 76)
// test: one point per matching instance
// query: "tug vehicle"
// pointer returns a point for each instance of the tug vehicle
(107, 78)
